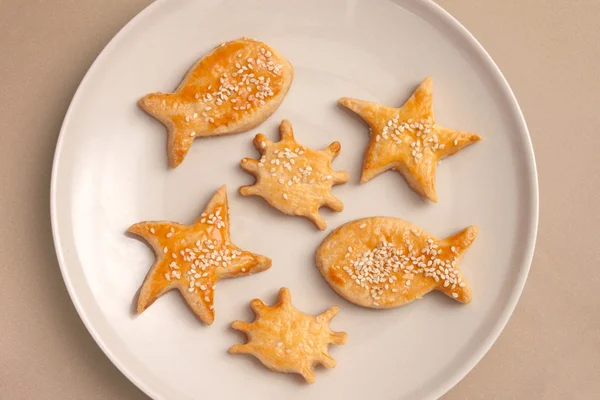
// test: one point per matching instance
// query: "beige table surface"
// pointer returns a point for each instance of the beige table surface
(549, 50)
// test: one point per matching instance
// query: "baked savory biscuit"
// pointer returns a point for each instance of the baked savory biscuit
(383, 262)
(231, 90)
(408, 140)
(293, 178)
(192, 258)
(287, 340)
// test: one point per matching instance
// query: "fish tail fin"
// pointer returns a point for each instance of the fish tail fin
(456, 286)
(154, 104)
(463, 239)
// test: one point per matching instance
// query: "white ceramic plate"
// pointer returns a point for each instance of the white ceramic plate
(110, 171)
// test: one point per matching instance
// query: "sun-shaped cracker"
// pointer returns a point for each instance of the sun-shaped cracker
(408, 140)
(287, 340)
(293, 178)
(193, 258)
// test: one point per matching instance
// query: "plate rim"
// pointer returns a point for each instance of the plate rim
(532, 223)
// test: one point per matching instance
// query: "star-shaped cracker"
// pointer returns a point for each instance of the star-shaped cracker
(230, 90)
(408, 140)
(287, 340)
(192, 258)
(292, 178)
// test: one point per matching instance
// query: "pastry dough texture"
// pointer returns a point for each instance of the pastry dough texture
(408, 140)
(293, 178)
(383, 262)
(193, 258)
(231, 90)
(287, 340)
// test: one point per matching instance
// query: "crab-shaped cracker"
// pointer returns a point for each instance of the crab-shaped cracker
(292, 178)
(287, 340)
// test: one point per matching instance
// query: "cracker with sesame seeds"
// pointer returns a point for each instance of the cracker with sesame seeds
(287, 340)
(408, 140)
(383, 262)
(231, 90)
(193, 258)
(293, 178)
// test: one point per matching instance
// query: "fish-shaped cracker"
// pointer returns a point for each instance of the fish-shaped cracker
(383, 262)
(231, 90)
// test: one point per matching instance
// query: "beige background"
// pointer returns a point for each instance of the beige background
(549, 50)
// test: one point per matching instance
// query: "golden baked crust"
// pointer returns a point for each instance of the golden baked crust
(231, 90)
(383, 262)
(287, 340)
(193, 258)
(408, 140)
(293, 178)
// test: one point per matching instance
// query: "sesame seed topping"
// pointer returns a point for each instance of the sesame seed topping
(362, 225)
(456, 142)
(378, 269)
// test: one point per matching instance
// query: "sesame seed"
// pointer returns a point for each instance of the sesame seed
(152, 230)
(362, 225)
(455, 295)
(285, 196)
(165, 250)
(456, 142)
(192, 134)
